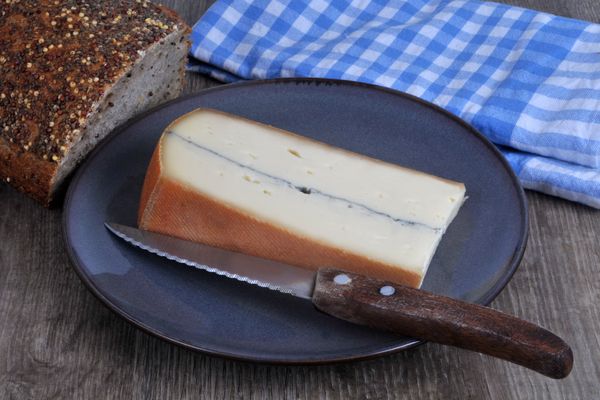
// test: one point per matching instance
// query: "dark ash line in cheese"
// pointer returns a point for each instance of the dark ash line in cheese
(303, 189)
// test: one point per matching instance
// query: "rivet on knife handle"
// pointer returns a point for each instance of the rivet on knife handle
(440, 319)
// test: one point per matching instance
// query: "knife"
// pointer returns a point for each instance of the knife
(368, 301)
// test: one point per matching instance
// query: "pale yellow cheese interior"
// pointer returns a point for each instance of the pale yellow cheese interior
(378, 210)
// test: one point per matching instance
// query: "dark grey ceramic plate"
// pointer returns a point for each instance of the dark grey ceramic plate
(216, 315)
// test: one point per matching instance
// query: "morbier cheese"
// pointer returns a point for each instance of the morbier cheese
(234, 183)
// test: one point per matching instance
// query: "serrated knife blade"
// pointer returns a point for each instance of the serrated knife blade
(242, 267)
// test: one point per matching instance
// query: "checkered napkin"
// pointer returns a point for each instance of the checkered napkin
(529, 81)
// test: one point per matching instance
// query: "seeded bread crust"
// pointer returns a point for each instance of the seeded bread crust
(58, 59)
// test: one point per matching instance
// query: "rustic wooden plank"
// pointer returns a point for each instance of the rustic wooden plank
(58, 341)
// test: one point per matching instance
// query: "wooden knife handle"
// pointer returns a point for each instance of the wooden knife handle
(423, 315)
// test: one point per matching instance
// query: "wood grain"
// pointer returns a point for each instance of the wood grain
(439, 319)
(58, 342)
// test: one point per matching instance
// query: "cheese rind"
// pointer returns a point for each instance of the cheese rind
(388, 217)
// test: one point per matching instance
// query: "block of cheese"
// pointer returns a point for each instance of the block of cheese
(238, 184)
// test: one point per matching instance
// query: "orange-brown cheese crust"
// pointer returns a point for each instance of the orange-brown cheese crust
(57, 59)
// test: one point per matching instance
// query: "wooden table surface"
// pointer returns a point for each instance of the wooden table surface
(57, 341)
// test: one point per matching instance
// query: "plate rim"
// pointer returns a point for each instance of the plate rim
(485, 299)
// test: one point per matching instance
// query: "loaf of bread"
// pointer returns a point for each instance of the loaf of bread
(71, 71)
(233, 183)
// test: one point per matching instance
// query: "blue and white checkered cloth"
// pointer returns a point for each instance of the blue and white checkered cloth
(529, 81)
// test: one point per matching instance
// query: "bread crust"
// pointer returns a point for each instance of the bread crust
(26, 172)
(61, 60)
(171, 208)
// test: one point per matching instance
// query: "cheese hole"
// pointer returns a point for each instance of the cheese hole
(303, 189)
(247, 178)
(266, 192)
(294, 153)
(310, 172)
